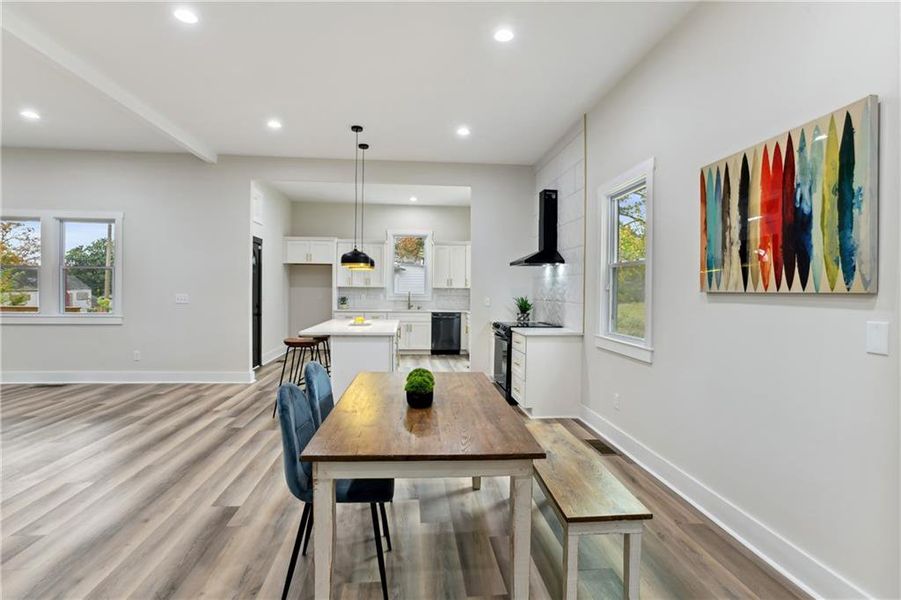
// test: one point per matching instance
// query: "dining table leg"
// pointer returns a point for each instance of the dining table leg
(521, 488)
(323, 532)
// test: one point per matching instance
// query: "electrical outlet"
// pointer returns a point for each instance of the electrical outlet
(487, 301)
(182, 298)
(617, 404)
(136, 355)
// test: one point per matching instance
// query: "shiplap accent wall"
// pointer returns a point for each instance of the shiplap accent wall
(558, 291)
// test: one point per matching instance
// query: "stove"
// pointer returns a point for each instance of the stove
(503, 352)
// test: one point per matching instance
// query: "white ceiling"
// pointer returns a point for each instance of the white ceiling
(376, 193)
(411, 73)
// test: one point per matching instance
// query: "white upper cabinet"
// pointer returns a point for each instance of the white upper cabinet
(451, 266)
(308, 251)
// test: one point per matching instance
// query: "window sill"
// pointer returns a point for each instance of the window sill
(633, 350)
(13, 319)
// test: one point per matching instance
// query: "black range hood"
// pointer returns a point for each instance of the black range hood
(547, 234)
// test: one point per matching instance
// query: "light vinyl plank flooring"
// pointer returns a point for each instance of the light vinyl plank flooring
(178, 491)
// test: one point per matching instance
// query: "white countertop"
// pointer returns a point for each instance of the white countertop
(546, 331)
(343, 327)
(357, 311)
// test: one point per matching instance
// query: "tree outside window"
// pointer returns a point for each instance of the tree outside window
(88, 266)
(20, 262)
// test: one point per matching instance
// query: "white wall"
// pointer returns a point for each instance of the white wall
(276, 223)
(310, 296)
(558, 290)
(450, 223)
(187, 229)
(764, 410)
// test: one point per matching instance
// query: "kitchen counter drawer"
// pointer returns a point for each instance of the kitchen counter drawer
(518, 389)
(519, 342)
(518, 364)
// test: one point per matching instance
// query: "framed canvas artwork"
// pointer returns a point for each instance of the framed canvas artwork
(796, 213)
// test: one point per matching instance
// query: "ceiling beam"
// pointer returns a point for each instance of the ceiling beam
(41, 42)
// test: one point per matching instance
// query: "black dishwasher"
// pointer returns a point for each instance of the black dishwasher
(445, 333)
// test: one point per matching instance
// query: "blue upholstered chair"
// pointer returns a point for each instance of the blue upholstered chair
(319, 391)
(322, 401)
(298, 426)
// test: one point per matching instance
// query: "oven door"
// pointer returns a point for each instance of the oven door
(501, 361)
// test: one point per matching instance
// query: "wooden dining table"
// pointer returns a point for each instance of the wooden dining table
(469, 431)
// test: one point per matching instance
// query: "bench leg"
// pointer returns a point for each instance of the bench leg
(631, 563)
(570, 566)
(476, 483)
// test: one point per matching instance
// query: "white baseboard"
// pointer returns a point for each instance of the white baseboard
(808, 573)
(55, 377)
(271, 355)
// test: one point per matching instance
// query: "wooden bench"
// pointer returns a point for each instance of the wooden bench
(588, 499)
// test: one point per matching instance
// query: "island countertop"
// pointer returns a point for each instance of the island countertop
(343, 327)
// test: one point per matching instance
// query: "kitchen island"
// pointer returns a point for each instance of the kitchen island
(357, 348)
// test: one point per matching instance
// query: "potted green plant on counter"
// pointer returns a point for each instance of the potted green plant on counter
(342, 302)
(420, 388)
(524, 306)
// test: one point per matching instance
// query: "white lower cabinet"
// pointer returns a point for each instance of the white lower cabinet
(464, 332)
(545, 373)
(415, 331)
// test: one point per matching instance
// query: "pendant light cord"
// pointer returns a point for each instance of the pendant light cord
(362, 196)
(356, 166)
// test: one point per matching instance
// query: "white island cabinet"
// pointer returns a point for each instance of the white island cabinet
(357, 348)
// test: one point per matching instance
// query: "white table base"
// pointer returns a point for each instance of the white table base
(325, 473)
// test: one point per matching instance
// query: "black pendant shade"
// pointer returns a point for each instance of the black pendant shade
(357, 260)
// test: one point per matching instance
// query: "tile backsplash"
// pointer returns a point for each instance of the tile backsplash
(376, 299)
(557, 290)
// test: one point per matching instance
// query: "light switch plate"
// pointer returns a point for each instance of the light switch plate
(877, 337)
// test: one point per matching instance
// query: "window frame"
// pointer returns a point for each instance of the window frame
(428, 263)
(52, 306)
(606, 337)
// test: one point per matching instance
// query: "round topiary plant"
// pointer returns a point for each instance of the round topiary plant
(421, 372)
(420, 390)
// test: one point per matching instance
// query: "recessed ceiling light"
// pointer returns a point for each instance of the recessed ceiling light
(274, 124)
(503, 34)
(463, 131)
(413, 198)
(29, 114)
(185, 15)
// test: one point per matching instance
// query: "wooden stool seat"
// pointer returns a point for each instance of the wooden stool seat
(301, 342)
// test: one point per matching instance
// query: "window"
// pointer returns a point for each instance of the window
(625, 312)
(411, 260)
(87, 266)
(20, 265)
(60, 267)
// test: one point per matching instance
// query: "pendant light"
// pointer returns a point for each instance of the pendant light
(355, 259)
(364, 147)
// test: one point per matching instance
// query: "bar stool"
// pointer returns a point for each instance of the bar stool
(293, 345)
(325, 352)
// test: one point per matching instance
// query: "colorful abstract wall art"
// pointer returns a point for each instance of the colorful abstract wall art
(796, 213)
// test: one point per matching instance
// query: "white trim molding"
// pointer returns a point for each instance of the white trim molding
(804, 570)
(59, 377)
(605, 338)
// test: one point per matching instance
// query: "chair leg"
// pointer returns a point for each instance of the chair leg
(385, 526)
(378, 550)
(306, 541)
(303, 525)
(281, 378)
